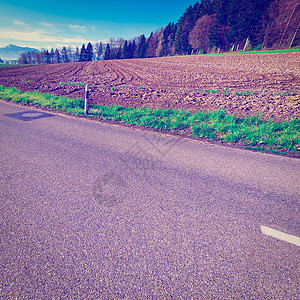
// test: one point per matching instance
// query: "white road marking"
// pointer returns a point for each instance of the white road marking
(292, 239)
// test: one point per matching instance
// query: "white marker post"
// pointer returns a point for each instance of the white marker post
(86, 100)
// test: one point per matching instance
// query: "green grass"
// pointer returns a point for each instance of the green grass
(254, 52)
(71, 83)
(248, 93)
(208, 91)
(59, 103)
(250, 132)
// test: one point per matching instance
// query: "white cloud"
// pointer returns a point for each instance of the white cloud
(78, 28)
(20, 23)
(37, 36)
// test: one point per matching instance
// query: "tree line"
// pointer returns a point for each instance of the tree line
(207, 26)
(64, 55)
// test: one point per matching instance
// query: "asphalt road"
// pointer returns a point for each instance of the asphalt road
(98, 211)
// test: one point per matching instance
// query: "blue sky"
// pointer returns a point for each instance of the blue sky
(62, 23)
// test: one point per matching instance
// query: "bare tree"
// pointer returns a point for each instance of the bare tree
(198, 37)
(23, 59)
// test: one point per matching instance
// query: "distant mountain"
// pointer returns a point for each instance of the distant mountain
(13, 51)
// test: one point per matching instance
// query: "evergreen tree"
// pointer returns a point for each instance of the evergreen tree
(168, 40)
(89, 52)
(83, 54)
(29, 57)
(76, 55)
(52, 56)
(132, 49)
(46, 57)
(152, 43)
(57, 56)
(142, 47)
(70, 54)
(100, 51)
(125, 52)
(119, 53)
(107, 52)
(129, 50)
(64, 55)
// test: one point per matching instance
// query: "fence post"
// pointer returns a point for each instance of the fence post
(86, 100)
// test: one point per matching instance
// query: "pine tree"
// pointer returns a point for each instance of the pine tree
(46, 57)
(142, 47)
(100, 51)
(132, 49)
(29, 57)
(107, 52)
(119, 53)
(52, 56)
(83, 54)
(152, 43)
(76, 55)
(57, 56)
(89, 51)
(64, 55)
(125, 50)
(70, 54)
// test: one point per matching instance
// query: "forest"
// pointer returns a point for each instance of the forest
(209, 26)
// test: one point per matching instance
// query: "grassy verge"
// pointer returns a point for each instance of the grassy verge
(63, 104)
(253, 51)
(249, 132)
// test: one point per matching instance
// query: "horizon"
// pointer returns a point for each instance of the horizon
(40, 25)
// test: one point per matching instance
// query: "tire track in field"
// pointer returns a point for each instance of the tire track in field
(124, 75)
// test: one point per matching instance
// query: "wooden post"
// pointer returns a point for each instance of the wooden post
(86, 100)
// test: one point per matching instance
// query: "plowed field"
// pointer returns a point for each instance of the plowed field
(268, 84)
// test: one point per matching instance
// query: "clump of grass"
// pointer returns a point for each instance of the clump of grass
(208, 91)
(72, 83)
(286, 93)
(243, 93)
(250, 132)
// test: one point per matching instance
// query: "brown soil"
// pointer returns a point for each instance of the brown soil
(176, 82)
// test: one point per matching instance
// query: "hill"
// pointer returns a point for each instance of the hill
(13, 52)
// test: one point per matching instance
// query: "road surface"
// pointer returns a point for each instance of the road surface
(96, 211)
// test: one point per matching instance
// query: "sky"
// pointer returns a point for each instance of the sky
(57, 23)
